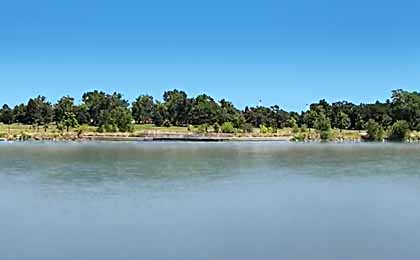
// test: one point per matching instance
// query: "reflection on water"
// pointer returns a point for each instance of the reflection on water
(209, 201)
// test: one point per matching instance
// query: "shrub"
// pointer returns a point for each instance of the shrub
(299, 137)
(265, 130)
(23, 136)
(227, 127)
(323, 125)
(247, 128)
(292, 123)
(399, 131)
(325, 135)
(107, 128)
(60, 127)
(375, 132)
(81, 130)
(304, 128)
(216, 128)
(202, 129)
(166, 123)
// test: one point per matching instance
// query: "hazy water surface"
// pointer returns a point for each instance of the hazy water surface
(209, 201)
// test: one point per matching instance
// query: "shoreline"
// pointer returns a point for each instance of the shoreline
(165, 137)
(188, 139)
(151, 138)
(148, 133)
(156, 134)
(174, 138)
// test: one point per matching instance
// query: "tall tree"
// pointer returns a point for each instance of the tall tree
(178, 106)
(406, 106)
(6, 115)
(95, 102)
(109, 112)
(20, 114)
(343, 121)
(143, 109)
(69, 120)
(204, 110)
(323, 125)
(39, 111)
(229, 113)
(63, 106)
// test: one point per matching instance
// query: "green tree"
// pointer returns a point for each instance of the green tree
(204, 110)
(228, 128)
(63, 106)
(69, 120)
(260, 116)
(109, 112)
(160, 114)
(292, 123)
(323, 125)
(399, 131)
(82, 114)
(143, 109)
(229, 113)
(309, 118)
(20, 114)
(343, 121)
(177, 107)
(6, 115)
(278, 117)
(406, 106)
(39, 111)
(340, 107)
(375, 132)
(95, 102)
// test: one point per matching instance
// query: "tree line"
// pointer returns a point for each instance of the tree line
(112, 113)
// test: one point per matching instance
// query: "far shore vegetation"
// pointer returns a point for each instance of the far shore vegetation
(99, 113)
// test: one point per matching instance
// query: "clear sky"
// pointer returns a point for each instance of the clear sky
(290, 52)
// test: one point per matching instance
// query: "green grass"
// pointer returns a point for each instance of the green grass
(53, 132)
(149, 127)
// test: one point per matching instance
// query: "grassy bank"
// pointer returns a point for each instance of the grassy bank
(51, 132)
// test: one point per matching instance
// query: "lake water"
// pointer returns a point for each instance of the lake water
(209, 201)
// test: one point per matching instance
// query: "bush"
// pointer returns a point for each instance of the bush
(323, 125)
(263, 129)
(166, 123)
(325, 135)
(202, 129)
(216, 128)
(375, 132)
(81, 130)
(266, 130)
(299, 137)
(247, 128)
(228, 128)
(23, 136)
(292, 123)
(60, 127)
(399, 131)
(108, 128)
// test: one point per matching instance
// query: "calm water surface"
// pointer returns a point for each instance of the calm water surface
(209, 201)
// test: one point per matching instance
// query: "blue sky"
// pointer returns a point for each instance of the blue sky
(289, 53)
